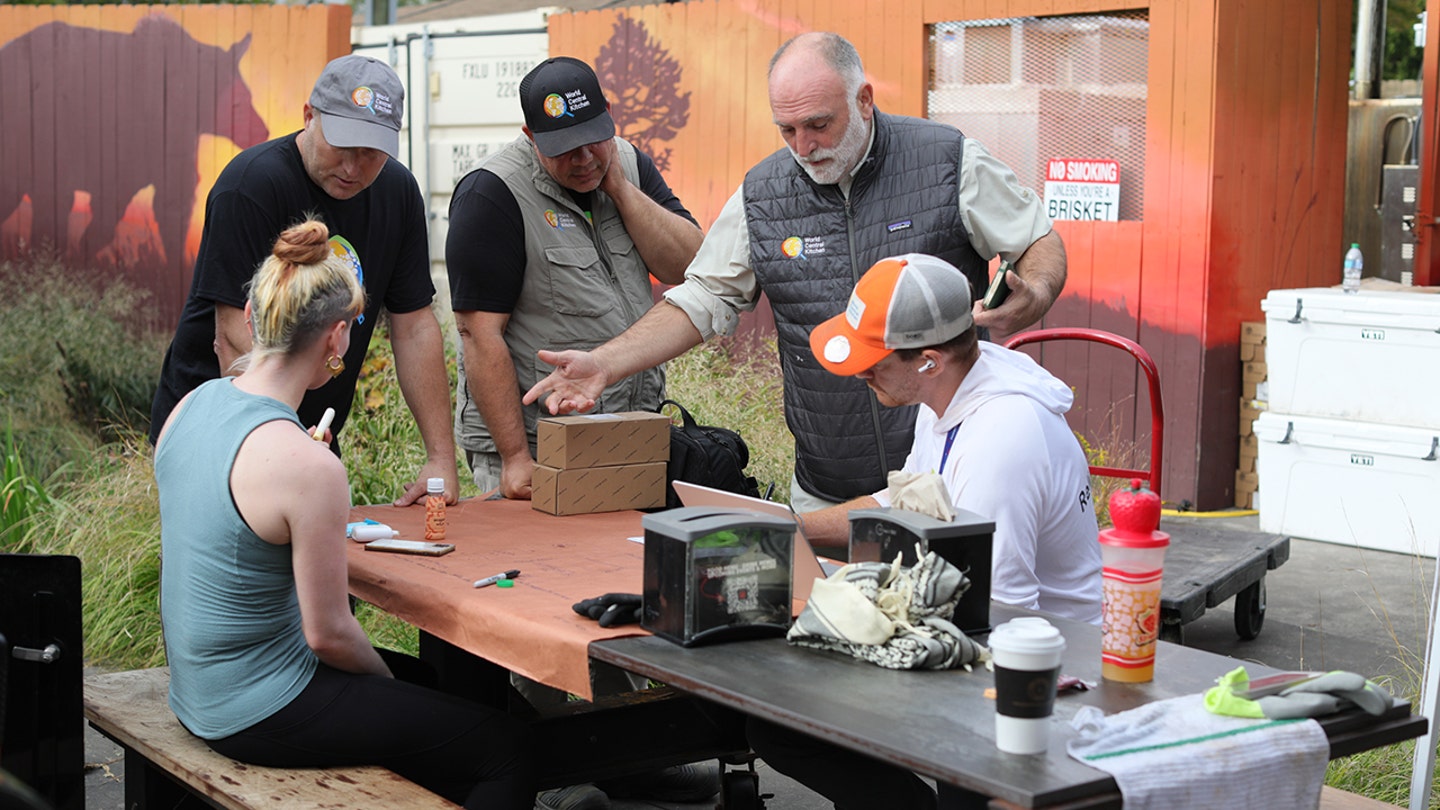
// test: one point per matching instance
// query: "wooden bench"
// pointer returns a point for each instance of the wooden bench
(167, 766)
(1336, 799)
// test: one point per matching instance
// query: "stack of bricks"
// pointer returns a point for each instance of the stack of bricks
(1253, 396)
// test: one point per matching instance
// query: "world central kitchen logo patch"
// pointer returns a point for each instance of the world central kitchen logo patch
(797, 247)
(559, 219)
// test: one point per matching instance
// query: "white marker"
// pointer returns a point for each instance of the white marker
(325, 419)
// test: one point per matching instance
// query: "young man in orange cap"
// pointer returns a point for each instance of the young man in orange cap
(991, 423)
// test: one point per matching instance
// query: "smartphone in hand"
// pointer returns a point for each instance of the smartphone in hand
(999, 288)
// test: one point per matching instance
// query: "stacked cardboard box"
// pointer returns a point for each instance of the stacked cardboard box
(1253, 399)
(600, 462)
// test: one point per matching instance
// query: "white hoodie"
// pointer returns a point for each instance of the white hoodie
(1014, 460)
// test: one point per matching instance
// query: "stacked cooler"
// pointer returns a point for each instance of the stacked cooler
(1349, 450)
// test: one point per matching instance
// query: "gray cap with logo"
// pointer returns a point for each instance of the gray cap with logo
(360, 101)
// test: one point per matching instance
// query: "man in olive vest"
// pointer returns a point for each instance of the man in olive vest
(853, 185)
(552, 243)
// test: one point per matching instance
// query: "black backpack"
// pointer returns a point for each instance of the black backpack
(709, 456)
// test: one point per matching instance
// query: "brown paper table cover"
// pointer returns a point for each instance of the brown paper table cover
(530, 628)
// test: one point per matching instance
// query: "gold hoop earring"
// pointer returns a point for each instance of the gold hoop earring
(335, 365)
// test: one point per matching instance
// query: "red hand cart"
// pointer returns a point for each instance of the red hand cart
(1205, 565)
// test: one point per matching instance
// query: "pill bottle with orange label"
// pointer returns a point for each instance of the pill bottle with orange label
(435, 509)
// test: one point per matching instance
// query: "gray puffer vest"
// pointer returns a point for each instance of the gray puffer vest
(808, 247)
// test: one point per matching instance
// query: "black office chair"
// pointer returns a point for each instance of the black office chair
(42, 724)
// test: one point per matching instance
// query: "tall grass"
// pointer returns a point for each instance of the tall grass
(109, 517)
(1384, 773)
(737, 385)
(22, 497)
(77, 365)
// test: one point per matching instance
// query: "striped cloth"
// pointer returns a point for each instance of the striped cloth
(1174, 754)
(890, 615)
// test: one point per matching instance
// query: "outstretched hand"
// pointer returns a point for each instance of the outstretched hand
(574, 385)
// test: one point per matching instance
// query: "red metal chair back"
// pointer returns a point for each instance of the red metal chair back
(1157, 409)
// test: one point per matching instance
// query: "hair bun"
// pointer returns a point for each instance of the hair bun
(306, 243)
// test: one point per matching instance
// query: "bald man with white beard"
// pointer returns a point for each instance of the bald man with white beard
(851, 186)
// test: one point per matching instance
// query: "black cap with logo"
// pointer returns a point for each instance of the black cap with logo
(564, 107)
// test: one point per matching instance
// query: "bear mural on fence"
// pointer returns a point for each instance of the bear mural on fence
(108, 114)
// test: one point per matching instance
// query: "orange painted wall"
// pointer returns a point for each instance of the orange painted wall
(128, 83)
(1245, 149)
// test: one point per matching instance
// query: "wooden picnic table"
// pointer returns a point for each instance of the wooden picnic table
(936, 723)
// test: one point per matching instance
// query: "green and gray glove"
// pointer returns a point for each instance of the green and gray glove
(1316, 697)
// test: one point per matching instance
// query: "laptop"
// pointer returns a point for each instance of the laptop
(806, 566)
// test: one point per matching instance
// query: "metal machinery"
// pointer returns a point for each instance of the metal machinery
(1396, 198)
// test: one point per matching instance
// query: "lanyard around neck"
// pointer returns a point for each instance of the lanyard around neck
(949, 441)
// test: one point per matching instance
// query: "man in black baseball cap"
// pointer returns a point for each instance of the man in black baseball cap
(558, 234)
(342, 169)
(564, 106)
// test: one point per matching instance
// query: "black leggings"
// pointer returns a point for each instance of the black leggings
(467, 753)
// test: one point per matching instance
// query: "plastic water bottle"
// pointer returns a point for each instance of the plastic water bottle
(1354, 263)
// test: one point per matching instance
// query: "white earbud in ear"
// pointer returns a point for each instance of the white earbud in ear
(929, 364)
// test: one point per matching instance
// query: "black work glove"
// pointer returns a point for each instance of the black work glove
(611, 609)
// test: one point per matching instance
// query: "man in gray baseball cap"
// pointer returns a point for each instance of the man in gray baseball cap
(360, 101)
(341, 169)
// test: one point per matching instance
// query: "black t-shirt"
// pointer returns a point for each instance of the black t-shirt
(263, 191)
(485, 249)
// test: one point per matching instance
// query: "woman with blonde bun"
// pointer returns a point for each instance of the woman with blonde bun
(267, 663)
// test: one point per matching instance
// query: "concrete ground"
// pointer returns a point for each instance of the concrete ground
(1329, 607)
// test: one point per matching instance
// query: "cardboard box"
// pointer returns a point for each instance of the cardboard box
(1250, 410)
(602, 439)
(1246, 481)
(598, 489)
(1252, 332)
(1248, 390)
(1244, 500)
(1354, 483)
(1249, 451)
(1254, 372)
(1252, 352)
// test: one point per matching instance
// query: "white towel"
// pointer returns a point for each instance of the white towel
(1173, 754)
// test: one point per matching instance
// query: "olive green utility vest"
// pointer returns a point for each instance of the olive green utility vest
(585, 283)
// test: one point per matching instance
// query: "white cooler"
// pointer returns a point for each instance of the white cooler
(1371, 356)
(1356, 483)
